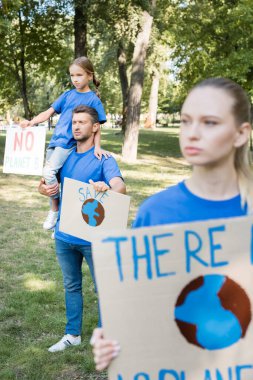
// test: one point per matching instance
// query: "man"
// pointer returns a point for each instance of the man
(104, 174)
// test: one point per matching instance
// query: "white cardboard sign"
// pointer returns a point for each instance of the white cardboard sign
(179, 300)
(24, 150)
(85, 212)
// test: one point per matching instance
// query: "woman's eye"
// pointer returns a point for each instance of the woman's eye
(184, 121)
(210, 122)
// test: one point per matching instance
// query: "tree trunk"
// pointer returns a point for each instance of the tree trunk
(22, 78)
(124, 83)
(130, 145)
(80, 27)
(153, 101)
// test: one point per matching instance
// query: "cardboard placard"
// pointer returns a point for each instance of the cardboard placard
(179, 300)
(24, 150)
(85, 212)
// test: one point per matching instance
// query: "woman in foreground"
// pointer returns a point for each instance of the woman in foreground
(214, 134)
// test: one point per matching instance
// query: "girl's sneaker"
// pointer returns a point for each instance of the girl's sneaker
(51, 220)
(67, 341)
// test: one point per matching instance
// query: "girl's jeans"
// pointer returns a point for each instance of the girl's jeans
(55, 158)
(70, 258)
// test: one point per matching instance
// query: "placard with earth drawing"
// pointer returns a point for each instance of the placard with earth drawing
(24, 150)
(178, 299)
(85, 212)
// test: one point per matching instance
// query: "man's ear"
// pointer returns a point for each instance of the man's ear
(95, 127)
(242, 135)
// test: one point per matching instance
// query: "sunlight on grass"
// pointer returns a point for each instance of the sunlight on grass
(33, 283)
(16, 188)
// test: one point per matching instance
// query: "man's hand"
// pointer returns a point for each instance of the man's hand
(99, 186)
(104, 350)
(48, 190)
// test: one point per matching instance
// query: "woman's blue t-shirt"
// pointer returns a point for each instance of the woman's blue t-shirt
(64, 105)
(178, 205)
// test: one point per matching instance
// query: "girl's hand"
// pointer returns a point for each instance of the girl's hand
(99, 186)
(104, 350)
(98, 152)
(25, 124)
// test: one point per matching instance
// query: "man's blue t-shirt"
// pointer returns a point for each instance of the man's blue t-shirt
(82, 167)
(64, 105)
(178, 205)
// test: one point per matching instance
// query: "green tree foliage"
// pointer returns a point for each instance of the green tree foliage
(33, 42)
(211, 38)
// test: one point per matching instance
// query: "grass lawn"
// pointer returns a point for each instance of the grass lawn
(32, 312)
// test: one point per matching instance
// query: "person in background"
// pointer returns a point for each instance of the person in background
(62, 142)
(81, 165)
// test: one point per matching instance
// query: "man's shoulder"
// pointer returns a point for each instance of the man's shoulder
(111, 160)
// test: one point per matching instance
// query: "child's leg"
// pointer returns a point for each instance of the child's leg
(55, 159)
(55, 204)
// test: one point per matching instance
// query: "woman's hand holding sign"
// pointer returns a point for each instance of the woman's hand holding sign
(104, 350)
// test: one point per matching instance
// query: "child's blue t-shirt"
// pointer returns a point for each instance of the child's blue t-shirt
(64, 105)
(178, 205)
(82, 167)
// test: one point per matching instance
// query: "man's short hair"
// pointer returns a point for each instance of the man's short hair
(89, 110)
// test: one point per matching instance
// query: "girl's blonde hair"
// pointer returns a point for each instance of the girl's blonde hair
(87, 66)
(242, 113)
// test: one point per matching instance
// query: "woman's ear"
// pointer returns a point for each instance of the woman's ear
(242, 135)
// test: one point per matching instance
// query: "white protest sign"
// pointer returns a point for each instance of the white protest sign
(85, 212)
(24, 150)
(179, 300)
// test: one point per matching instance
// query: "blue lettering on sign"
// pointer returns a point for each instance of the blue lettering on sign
(80, 191)
(191, 253)
(214, 247)
(154, 248)
(141, 376)
(104, 194)
(88, 193)
(85, 194)
(145, 256)
(218, 375)
(237, 372)
(208, 375)
(160, 252)
(241, 368)
(176, 376)
(117, 242)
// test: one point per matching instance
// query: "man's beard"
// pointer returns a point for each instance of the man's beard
(82, 139)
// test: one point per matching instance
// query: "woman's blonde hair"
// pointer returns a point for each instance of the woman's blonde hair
(87, 66)
(242, 113)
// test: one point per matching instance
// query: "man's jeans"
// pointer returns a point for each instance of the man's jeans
(70, 258)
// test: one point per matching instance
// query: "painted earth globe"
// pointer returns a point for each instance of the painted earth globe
(93, 212)
(213, 312)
